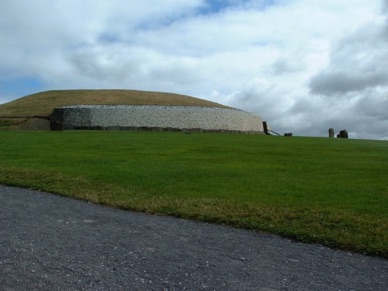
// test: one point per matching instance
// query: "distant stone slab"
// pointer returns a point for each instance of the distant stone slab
(156, 117)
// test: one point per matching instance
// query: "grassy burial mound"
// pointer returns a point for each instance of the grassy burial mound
(125, 109)
(43, 103)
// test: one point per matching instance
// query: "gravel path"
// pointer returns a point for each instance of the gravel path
(55, 243)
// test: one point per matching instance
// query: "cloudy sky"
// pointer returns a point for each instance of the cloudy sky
(302, 65)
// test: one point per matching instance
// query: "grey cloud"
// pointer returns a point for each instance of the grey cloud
(385, 5)
(373, 105)
(357, 62)
(258, 100)
(306, 105)
(284, 66)
(341, 82)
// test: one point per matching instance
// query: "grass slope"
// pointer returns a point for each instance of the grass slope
(330, 191)
(43, 103)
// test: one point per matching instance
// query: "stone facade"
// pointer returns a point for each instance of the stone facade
(153, 117)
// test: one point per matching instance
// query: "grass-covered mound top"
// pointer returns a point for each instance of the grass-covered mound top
(43, 103)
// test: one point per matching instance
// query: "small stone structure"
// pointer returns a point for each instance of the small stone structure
(343, 134)
(155, 117)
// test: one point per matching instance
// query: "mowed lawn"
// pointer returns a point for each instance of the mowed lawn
(329, 191)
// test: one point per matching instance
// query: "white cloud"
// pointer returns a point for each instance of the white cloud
(303, 65)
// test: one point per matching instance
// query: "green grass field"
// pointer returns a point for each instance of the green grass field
(329, 191)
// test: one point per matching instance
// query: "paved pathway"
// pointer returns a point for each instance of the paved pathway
(55, 243)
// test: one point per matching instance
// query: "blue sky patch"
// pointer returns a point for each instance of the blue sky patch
(20, 87)
(215, 6)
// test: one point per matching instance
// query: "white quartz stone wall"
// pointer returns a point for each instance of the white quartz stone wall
(152, 116)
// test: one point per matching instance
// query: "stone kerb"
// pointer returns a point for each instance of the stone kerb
(156, 116)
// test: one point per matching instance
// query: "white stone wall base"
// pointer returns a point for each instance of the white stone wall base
(156, 117)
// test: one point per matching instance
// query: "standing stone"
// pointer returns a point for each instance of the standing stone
(331, 132)
(56, 125)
